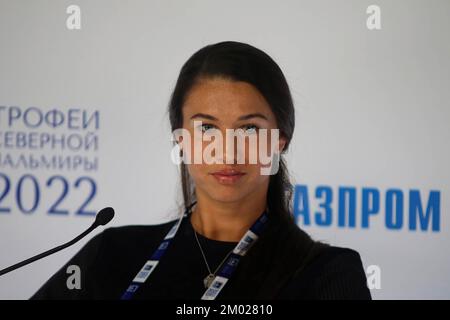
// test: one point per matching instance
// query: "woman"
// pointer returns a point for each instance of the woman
(237, 238)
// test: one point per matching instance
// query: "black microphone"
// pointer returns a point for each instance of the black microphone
(103, 217)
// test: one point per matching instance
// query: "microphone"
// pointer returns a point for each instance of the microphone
(103, 217)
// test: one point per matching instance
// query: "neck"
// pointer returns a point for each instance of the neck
(225, 221)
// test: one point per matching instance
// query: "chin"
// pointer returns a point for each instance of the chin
(223, 195)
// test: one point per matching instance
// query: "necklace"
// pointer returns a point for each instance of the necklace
(210, 277)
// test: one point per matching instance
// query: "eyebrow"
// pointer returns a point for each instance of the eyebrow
(244, 117)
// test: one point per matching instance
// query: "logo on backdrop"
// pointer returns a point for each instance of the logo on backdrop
(46, 158)
(352, 207)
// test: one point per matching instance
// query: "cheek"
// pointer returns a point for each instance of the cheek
(258, 152)
(254, 176)
(198, 173)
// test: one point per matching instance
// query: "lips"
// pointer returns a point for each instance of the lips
(228, 176)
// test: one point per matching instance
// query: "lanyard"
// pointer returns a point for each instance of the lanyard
(223, 275)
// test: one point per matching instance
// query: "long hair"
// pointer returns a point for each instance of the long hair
(238, 61)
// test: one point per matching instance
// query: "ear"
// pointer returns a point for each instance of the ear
(282, 141)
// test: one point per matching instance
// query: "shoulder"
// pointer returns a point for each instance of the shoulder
(331, 273)
(332, 256)
(115, 252)
(124, 240)
(315, 258)
(135, 232)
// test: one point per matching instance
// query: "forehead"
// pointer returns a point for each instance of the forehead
(225, 98)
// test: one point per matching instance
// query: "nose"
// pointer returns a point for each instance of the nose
(234, 149)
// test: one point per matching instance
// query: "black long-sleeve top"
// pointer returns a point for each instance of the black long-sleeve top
(285, 263)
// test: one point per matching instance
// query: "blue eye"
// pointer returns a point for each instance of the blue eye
(206, 126)
(250, 128)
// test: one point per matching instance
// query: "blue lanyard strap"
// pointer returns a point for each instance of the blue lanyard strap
(223, 275)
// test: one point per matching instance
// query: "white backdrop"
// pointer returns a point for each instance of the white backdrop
(372, 110)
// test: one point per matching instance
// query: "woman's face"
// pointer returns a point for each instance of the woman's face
(222, 104)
